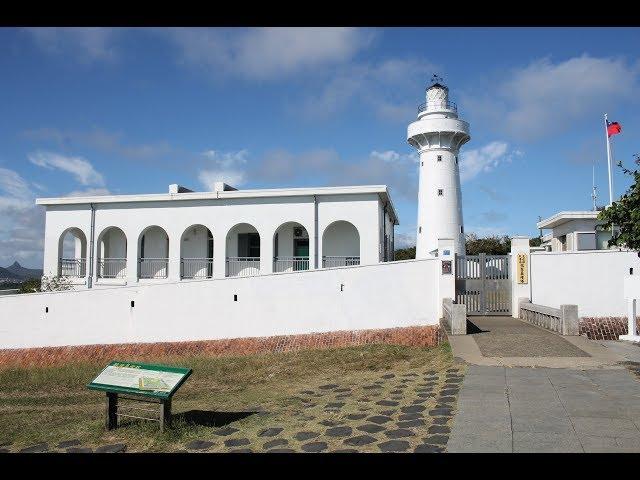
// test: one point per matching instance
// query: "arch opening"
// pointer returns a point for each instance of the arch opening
(153, 253)
(72, 253)
(340, 245)
(290, 248)
(196, 252)
(112, 253)
(242, 251)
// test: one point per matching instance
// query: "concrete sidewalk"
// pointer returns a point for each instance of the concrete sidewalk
(546, 410)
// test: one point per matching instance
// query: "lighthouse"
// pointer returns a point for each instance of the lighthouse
(438, 134)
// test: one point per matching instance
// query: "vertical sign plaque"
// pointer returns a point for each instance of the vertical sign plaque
(522, 271)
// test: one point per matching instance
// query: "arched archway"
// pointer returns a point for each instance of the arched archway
(243, 251)
(196, 252)
(153, 253)
(340, 245)
(112, 253)
(290, 248)
(72, 253)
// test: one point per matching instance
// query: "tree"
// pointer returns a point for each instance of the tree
(31, 285)
(46, 284)
(405, 253)
(491, 245)
(535, 241)
(625, 213)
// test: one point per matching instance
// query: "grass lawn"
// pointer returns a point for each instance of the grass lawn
(230, 401)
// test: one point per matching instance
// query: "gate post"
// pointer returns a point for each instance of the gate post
(520, 283)
(446, 272)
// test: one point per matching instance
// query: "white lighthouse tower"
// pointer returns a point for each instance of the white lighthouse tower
(438, 135)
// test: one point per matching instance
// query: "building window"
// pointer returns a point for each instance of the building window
(440, 192)
(439, 158)
(422, 164)
(419, 229)
(456, 159)
(461, 229)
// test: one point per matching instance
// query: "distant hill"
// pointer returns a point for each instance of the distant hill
(18, 273)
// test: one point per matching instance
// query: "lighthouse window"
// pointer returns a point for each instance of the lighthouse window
(440, 192)
(456, 159)
(461, 229)
(439, 158)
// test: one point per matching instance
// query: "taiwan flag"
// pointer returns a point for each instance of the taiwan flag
(613, 128)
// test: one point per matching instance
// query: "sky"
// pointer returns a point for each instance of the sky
(132, 110)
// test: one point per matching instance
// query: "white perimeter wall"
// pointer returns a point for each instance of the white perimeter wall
(384, 295)
(593, 280)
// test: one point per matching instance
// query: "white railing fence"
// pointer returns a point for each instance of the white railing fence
(290, 264)
(336, 261)
(196, 267)
(243, 266)
(73, 267)
(154, 267)
(112, 268)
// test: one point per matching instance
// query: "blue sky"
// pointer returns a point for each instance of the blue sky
(133, 110)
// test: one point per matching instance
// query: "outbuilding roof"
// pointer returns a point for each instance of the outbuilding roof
(562, 217)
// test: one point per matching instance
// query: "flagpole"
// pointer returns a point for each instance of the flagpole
(606, 132)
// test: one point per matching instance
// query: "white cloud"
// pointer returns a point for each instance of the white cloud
(391, 156)
(392, 89)
(21, 222)
(487, 231)
(87, 44)
(547, 97)
(81, 169)
(484, 159)
(89, 192)
(266, 53)
(223, 167)
(12, 184)
(405, 240)
(111, 142)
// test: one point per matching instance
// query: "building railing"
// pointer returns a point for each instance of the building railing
(290, 264)
(154, 267)
(337, 261)
(73, 267)
(196, 267)
(243, 266)
(112, 268)
(436, 105)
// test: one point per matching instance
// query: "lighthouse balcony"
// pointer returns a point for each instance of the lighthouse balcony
(437, 107)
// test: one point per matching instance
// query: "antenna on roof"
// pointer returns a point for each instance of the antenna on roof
(594, 193)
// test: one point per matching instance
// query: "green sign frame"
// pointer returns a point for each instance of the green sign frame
(161, 395)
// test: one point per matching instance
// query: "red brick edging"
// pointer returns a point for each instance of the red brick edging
(418, 336)
(603, 328)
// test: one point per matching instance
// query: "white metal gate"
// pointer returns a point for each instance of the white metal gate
(483, 284)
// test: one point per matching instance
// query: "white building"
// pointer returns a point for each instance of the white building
(438, 135)
(573, 231)
(182, 235)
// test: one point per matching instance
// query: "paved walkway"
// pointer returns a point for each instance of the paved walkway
(506, 341)
(546, 410)
(583, 399)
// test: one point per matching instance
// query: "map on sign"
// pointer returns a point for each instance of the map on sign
(129, 377)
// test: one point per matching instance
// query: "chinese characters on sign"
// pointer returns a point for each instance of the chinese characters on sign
(522, 272)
